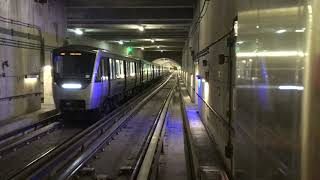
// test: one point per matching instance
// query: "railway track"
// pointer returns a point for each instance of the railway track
(43, 154)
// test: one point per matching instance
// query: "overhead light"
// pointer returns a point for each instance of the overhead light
(152, 40)
(158, 47)
(47, 68)
(299, 88)
(71, 86)
(240, 42)
(301, 30)
(31, 76)
(142, 48)
(78, 31)
(141, 28)
(281, 31)
(120, 42)
(257, 26)
(272, 54)
(161, 50)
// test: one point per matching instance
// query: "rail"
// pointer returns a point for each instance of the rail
(143, 165)
(37, 125)
(82, 146)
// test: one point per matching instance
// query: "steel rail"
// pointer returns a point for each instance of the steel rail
(153, 142)
(35, 126)
(31, 136)
(80, 160)
(43, 166)
(147, 140)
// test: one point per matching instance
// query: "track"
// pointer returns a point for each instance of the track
(51, 153)
(118, 158)
(23, 151)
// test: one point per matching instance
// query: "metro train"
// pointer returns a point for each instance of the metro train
(91, 79)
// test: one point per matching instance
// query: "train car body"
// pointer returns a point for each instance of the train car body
(88, 78)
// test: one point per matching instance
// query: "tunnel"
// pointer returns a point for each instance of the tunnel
(159, 90)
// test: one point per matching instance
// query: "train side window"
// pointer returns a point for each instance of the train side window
(114, 68)
(121, 69)
(132, 69)
(111, 68)
(128, 71)
(106, 68)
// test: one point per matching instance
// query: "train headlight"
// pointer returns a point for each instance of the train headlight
(71, 86)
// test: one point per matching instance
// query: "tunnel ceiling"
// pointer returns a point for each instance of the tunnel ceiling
(165, 21)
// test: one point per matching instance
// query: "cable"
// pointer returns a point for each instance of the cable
(206, 49)
(201, 15)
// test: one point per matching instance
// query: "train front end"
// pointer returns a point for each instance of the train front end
(72, 80)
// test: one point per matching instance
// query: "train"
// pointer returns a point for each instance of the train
(89, 79)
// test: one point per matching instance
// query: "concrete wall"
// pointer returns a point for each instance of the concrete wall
(21, 22)
(208, 83)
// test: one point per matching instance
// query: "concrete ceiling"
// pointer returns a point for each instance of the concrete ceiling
(165, 21)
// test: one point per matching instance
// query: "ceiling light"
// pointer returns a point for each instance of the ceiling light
(161, 50)
(240, 42)
(281, 31)
(158, 47)
(78, 31)
(257, 26)
(152, 40)
(301, 30)
(120, 42)
(142, 48)
(272, 54)
(141, 28)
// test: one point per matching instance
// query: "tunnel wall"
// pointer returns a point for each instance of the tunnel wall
(207, 80)
(269, 64)
(24, 24)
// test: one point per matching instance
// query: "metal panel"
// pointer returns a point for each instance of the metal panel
(269, 81)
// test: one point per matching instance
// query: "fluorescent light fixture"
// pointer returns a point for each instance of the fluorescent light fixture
(78, 31)
(272, 54)
(71, 86)
(299, 88)
(75, 54)
(301, 30)
(152, 40)
(282, 87)
(141, 28)
(281, 31)
(240, 42)
(47, 68)
(120, 42)
(31, 76)
(244, 61)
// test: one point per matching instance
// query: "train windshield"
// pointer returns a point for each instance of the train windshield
(73, 65)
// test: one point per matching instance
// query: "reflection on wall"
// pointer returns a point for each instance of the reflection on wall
(271, 50)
